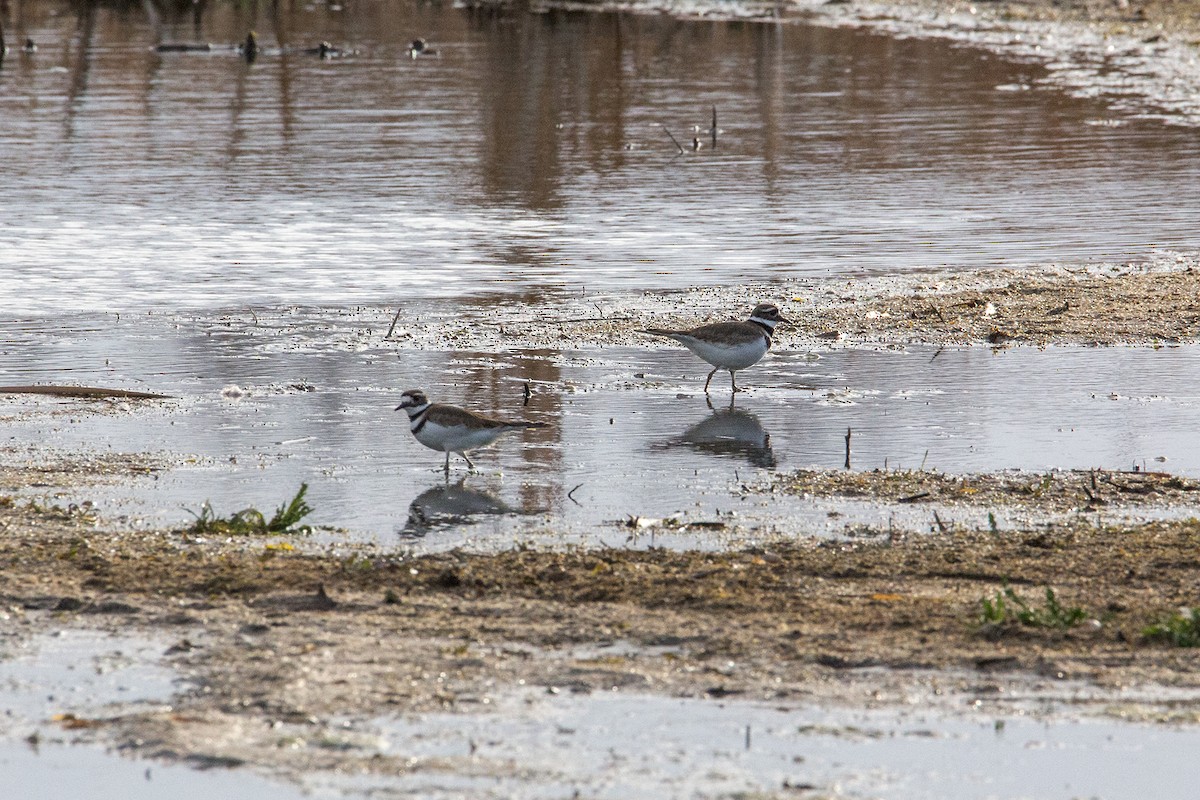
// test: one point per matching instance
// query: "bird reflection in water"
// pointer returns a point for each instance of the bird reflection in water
(730, 432)
(450, 504)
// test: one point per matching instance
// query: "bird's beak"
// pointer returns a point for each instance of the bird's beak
(785, 320)
(402, 405)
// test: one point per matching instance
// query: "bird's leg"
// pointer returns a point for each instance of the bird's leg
(733, 380)
(447, 467)
(707, 382)
(469, 464)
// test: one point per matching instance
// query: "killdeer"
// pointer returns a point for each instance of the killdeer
(452, 429)
(729, 345)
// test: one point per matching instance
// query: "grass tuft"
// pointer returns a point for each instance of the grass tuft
(252, 522)
(1007, 607)
(1182, 629)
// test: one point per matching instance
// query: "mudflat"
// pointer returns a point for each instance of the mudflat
(270, 631)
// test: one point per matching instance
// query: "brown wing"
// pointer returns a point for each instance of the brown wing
(453, 415)
(730, 332)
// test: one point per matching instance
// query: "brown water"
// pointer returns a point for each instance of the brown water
(533, 151)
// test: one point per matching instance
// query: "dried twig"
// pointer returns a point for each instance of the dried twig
(82, 391)
(673, 139)
(395, 319)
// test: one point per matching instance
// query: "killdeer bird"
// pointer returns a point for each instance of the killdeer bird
(452, 429)
(419, 47)
(729, 345)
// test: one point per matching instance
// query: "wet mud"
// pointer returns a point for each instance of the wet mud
(1041, 493)
(1150, 303)
(279, 643)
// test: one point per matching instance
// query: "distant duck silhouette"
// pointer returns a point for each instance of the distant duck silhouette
(250, 48)
(325, 50)
(419, 47)
(184, 47)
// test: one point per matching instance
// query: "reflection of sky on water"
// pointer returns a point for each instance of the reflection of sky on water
(619, 445)
(688, 747)
(532, 153)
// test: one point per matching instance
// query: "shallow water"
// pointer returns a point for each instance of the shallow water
(93, 675)
(618, 744)
(629, 431)
(531, 153)
(548, 742)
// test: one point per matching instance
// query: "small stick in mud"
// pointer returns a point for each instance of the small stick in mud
(673, 139)
(395, 319)
(573, 491)
(941, 525)
(714, 127)
(527, 392)
(848, 448)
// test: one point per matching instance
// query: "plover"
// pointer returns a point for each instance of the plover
(729, 345)
(451, 429)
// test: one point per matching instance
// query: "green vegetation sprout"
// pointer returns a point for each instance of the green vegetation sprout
(252, 522)
(1007, 607)
(1182, 629)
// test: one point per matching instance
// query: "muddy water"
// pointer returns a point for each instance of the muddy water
(88, 676)
(262, 408)
(533, 151)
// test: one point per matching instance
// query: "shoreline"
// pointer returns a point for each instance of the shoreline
(1143, 304)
